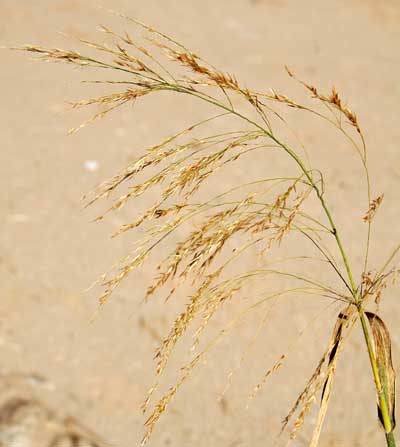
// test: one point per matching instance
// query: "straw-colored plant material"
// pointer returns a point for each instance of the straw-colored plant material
(383, 352)
(218, 229)
(322, 378)
(373, 207)
(345, 321)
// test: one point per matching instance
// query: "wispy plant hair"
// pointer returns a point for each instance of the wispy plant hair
(256, 216)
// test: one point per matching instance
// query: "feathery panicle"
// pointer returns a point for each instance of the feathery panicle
(216, 233)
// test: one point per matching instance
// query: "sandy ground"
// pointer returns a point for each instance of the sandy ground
(50, 252)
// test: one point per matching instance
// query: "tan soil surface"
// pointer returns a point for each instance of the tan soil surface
(50, 252)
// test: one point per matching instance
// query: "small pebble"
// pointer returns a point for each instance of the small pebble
(91, 165)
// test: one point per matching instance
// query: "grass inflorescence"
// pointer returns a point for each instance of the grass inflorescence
(256, 216)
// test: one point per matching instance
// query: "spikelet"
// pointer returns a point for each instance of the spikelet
(321, 375)
(275, 367)
(333, 98)
(162, 404)
(373, 208)
(258, 214)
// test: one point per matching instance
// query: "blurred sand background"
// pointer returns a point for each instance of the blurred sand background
(50, 252)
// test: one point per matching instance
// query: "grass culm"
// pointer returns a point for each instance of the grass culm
(256, 216)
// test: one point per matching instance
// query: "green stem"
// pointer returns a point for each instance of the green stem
(298, 162)
(390, 441)
(383, 404)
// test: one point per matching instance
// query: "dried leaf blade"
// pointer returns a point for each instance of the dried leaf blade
(383, 353)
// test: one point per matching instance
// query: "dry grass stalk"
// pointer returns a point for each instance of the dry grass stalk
(254, 216)
(322, 377)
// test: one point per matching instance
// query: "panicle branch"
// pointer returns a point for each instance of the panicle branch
(256, 215)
